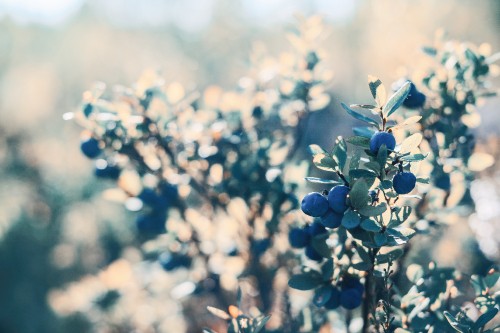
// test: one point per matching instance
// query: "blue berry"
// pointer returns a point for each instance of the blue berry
(314, 204)
(351, 282)
(443, 182)
(90, 148)
(382, 138)
(105, 170)
(404, 182)
(337, 198)
(299, 238)
(331, 219)
(169, 192)
(260, 246)
(350, 298)
(315, 229)
(149, 197)
(415, 98)
(170, 262)
(334, 300)
(152, 223)
(312, 254)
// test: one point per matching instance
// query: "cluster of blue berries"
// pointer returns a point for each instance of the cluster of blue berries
(158, 203)
(349, 295)
(403, 182)
(90, 147)
(329, 208)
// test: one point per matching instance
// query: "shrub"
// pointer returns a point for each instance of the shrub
(195, 165)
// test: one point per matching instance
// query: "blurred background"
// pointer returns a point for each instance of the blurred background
(55, 228)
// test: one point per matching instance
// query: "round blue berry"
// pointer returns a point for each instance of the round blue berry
(152, 223)
(382, 138)
(404, 182)
(350, 298)
(312, 254)
(337, 198)
(299, 238)
(105, 170)
(260, 246)
(169, 192)
(149, 197)
(443, 181)
(331, 219)
(351, 282)
(314, 204)
(334, 300)
(415, 98)
(315, 229)
(90, 148)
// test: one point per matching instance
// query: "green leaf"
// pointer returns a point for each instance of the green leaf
(319, 244)
(371, 225)
(339, 153)
(485, 318)
(360, 141)
(374, 166)
(364, 131)
(410, 143)
(386, 184)
(325, 162)
(327, 269)
(355, 158)
(407, 122)
(414, 158)
(373, 210)
(491, 279)
(361, 266)
(389, 256)
(429, 50)
(365, 257)
(351, 219)
(397, 99)
(323, 181)
(455, 324)
(315, 150)
(260, 323)
(305, 281)
(358, 195)
(377, 89)
(382, 156)
(380, 239)
(400, 216)
(364, 106)
(478, 284)
(359, 116)
(407, 232)
(423, 180)
(362, 173)
(322, 295)
(395, 238)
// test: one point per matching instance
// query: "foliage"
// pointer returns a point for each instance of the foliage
(194, 165)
